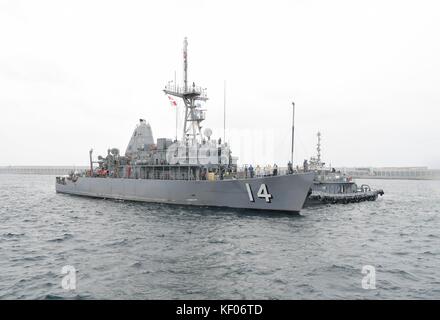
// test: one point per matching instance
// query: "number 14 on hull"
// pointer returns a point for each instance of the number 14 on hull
(262, 193)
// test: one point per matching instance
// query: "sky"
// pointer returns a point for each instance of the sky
(76, 75)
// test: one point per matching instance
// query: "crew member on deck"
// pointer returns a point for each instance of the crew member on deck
(289, 167)
(275, 169)
(251, 171)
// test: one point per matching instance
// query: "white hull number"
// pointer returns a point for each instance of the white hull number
(262, 193)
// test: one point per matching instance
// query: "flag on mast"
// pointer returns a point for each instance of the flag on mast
(172, 101)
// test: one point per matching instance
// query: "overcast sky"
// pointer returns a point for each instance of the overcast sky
(79, 74)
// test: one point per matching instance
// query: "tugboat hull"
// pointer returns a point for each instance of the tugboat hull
(340, 192)
(319, 198)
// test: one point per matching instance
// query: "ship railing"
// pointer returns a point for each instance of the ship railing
(260, 171)
(184, 172)
(160, 172)
(199, 115)
(335, 177)
(180, 90)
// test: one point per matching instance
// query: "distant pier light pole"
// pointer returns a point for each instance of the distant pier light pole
(224, 111)
(91, 162)
(293, 131)
(175, 89)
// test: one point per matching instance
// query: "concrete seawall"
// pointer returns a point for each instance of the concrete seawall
(55, 170)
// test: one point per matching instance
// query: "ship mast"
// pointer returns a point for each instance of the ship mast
(190, 95)
(318, 148)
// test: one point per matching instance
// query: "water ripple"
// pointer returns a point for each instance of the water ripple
(128, 250)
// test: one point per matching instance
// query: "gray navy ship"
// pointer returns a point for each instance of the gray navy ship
(195, 170)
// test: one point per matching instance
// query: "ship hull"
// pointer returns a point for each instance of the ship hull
(337, 193)
(279, 193)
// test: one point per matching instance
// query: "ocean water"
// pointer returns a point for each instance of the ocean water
(128, 250)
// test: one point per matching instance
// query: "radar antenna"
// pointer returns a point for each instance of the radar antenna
(318, 147)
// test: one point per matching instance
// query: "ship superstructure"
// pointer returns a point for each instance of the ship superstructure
(195, 157)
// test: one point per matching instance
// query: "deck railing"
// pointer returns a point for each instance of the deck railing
(180, 90)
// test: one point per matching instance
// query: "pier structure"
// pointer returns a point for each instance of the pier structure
(405, 173)
(49, 170)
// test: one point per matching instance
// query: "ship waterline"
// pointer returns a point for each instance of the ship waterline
(274, 193)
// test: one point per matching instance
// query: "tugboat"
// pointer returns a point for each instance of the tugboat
(196, 171)
(331, 186)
